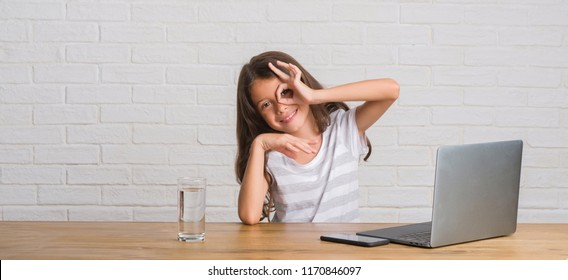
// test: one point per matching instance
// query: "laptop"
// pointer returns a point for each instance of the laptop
(476, 196)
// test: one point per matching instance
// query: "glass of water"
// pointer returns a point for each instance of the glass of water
(191, 209)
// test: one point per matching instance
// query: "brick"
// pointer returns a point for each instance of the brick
(399, 34)
(464, 35)
(202, 115)
(66, 32)
(523, 117)
(365, 12)
(137, 74)
(33, 175)
(486, 56)
(544, 177)
(31, 135)
(547, 57)
(233, 12)
(201, 33)
(488, 134)
(209, 75)
(490, 96)
(99, 53)
(538, 198)
(548, 15)
(148, 134)
(164, 12)
(15, 115)
(161, 175)
(221, 196)
(66, 154)
(14, 31)
(32, 94)
(531, 36)
(216, 95)
(530, 77)
(132, 114)
(15, 155)
(66, 73)
(69, 195)
(99, 134)
(217, 135)
(382, 136)
(462, 116)
(132, 33)
(310, 12)
(63, 114)
(218, 175)
(332, 76)
(415, 215)
(508, 15)
(434, 96)
(98, 94)
(98, 11)
(428, 55)
(427, 13)
(397, 197)
(98, 175)
(428, 136)
(377, 176)
(165, 54)
(464, 76)
(399, 116)
(363, 55)
(268, 32)
(139, 195)
(549, 138)
(15, 74)
(539, 215)
(18, 194)
(378, 215)
(553, 98)
(404, 75)
(203, 155)
(223, 55)
(164, 94)
(21, 53)
(416, 176)
(125, 154)
(543, 157)
(31, 10)
(407, 156)
(331, 34)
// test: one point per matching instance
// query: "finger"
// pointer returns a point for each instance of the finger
(279, 94)
(278, 72)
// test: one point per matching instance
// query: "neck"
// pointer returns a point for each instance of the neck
(309, 130)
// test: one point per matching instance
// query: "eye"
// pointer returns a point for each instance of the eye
(286, 92)
(264, 105)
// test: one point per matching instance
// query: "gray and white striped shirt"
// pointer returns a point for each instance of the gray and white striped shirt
(327, 188)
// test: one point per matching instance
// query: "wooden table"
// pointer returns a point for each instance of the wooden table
(230, 241)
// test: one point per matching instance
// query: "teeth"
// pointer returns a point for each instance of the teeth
(289, 117)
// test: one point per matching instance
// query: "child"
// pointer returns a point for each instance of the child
(299, 144)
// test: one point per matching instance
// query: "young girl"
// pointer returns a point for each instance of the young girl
(299, 144)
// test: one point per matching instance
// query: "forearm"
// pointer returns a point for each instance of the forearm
(368, 90)
(253, 187)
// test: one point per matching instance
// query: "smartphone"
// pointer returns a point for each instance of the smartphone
(354, 239)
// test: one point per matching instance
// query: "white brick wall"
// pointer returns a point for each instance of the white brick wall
(103, 104)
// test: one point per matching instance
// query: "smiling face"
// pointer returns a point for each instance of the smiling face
(294, 119)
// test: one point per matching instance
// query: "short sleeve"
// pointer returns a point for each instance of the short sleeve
(349, 133)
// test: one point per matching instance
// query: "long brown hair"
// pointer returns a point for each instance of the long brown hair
(251, 124)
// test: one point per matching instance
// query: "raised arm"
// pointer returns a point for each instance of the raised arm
(379, 94)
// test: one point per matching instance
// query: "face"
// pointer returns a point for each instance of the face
(288, 118)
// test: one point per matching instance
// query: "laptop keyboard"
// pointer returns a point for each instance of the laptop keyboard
(416, 237)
